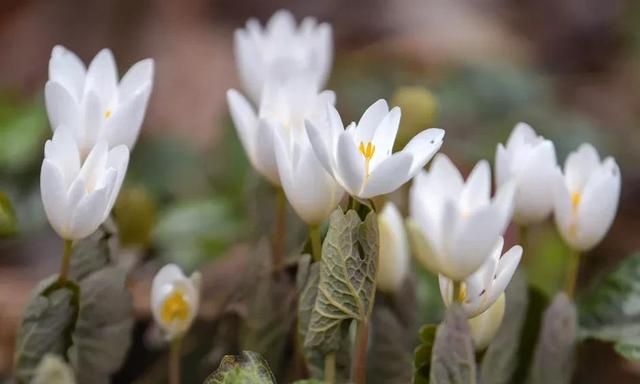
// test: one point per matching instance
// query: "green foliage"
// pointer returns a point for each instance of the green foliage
(53, 370)
(611, 311)
(346, 286)
(8, 222)
(452, 357)
(554, 355)
(23, 128)
(135, 213)
(423, 354)
(246, 368)
(501, 358)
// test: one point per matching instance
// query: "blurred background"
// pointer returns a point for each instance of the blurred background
(570, 68)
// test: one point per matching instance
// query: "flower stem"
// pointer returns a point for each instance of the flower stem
(359, 370)
(457, 292)
(66, 261)
(330, 368)
(174, 360)
(316, 242)
(280, 230)
(572, 273)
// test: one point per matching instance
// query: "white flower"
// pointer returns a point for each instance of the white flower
(78, 196)
(485, 326)
(454, 226)
(284, 107)
(174, 300)
(482, 288)
(360, 157)
(92, 103)
(393, 263)
(282, 50)
(586, 198)
(530, 161)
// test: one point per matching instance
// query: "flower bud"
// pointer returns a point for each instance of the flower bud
(394, 260)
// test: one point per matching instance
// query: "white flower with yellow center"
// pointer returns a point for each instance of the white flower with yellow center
(454, 225)
(394, 259)
(174, 300)
(92, 103)
(78, 195)
(482, 288)
(283, 110)
(360, 156)
(586, 197)
(530, 161)
(282, 50)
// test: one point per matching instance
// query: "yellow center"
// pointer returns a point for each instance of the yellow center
(367, 151)
(575, 200)
(462, 295)
(107, 114)
(175, 307)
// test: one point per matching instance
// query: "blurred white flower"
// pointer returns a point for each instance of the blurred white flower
(78, 196)
(91, 101)
(485, 326)
(360, 158)
(454, 225)
(283, 109)
(393, 263)
(482, 288)
(282, 50)
(530, 161)
(174, 300)
(586, 197)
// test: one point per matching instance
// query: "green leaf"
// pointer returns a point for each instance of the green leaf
(453, 357)
(346, 286)
(611, 311)
(423, 354)
(501, 358)
(246, 368)
(8, 222)
(554, 355)
(103, 331)
(93, 253)
(389, 357)
(46, 323)
(53, 370)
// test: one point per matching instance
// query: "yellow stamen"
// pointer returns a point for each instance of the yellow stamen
(107, 114)
(175, 307)
(462, 295)
(367, 151)
(575, 200)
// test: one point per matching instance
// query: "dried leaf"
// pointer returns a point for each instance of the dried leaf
(53, 370)
(554, 356)
(346, 288)
(501, 358)
(453, 357)
(46, 325)
(246, 368)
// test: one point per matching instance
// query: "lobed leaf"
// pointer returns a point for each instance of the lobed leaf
(246, 368)
(453, 358)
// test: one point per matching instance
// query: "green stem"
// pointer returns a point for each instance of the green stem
(572, 273)
(174, 360)
(457, 292)
(66, 261)
(316, 242)
(280, 230)
(359, 370)
(330, 368)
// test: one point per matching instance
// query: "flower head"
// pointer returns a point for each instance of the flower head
(454, 225)
(281, 50)
(586, 197)
(530, 161)
(393, 263)
(283, 110)
(482, 288)
(92, 103)
(78, 196)
(360, 156)
(174, 300)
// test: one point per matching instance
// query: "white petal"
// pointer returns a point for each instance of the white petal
(139, 76)
(68, 70)
(265, 152)
(388, 175)
(521, 134)
(393, 264)
(507, 267)
(385, 135)
(62, 107)
(246, 122)
(423, 146)
(350, 167)
(94, 165)
(89, 214)
(477, 189)
(446, 289)
(562, 209)
(370, 120)
(118, 159)
(424, 250)
(320, 146)
(579, 166)
(445, 173)
(485, 326)
(93, 121)
(102, 75)
(54, 197)
(123, 126)
(502, 165)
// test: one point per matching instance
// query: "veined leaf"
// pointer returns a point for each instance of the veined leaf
(94, 252)
(453, 358)
(346, 286)
(554, 356)
(246, 368)
(423, 354)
